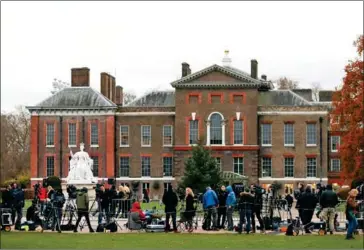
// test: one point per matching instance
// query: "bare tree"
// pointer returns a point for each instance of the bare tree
(286, 83)
(316, 87)
(58, 85)
(15, 135)
(129, 97)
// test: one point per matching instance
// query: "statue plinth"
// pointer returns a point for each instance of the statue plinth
(90, 191)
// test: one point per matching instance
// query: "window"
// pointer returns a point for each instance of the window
(267, 167)
(146, 135)
(167, 186)
(50, 166)
(94, 134)
(95, 169)
(288, 134)
(288, 167)
(239, 165)
(335, 165)
(311, 134)
(146, 166)
(50, 134)
(167, 166)
(215, 98)
(193, 99)
(72, 134)
(216, 129)
(266, 134)
(193, 132)
(124, 166)
(237, 98)
(238, 131)
(218, 162)
(311, 167)
(124, 136)
(335, 143)
(145, 186)
(167, 135)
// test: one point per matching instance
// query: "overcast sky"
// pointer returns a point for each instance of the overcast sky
(144, 43)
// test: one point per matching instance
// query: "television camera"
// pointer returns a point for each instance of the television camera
(71, 191)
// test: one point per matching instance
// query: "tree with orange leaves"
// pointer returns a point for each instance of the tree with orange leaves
(348, 114)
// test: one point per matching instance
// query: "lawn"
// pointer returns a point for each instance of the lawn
(34, 240)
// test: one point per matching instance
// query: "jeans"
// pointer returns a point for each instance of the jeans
(221, 214)
(256, 213)
(83, 213)
(328, 214)
(104, 211)
(353, 224)
(229, 215)
(245, 216)
(168, 215)
(211, 212)
(18, 213)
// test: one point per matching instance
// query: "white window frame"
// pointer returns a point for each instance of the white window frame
(261, 134)
(128, 158)
(163, 135)
(287, 144)
(150, 165)
(307, 167)
(331, 165)
(285, 167)
(53, 167)
(164, 173)
(189, 132)
(242, 132)
(72, 145)
(338, 144)
(307, 144)
(271, 167)
(150, 136)
(128, 145)
(94, 145)
(98, 165)
(208, 141)
(54, 135)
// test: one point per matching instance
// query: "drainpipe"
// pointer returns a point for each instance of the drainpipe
(258, 153)
(38, 130)
(116, 148)
(321, 150)
(83, 130)
(61, 147)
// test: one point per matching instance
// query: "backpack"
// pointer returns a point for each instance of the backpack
(289, 231)
(101, 228)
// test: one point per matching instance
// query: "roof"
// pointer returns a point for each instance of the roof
(325, 95)
(76, 97)
(245, 80)
(281, 98)
(305, 93)
(155, 99)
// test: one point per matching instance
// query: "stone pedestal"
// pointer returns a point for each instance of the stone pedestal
(90, 190)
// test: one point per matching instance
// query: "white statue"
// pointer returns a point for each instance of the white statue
(81, 166)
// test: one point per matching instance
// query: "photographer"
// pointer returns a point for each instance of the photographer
(221, 211)
(82, 202)
(170, 200)
(257, 193)
(18, 204)
(328, 202)
(7, 198)
(104, 201)
(307, 203)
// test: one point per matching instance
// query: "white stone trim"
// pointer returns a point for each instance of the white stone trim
(292, 179)
(293, 112)
(72, 112)
(145, 113)
(63, 179)
(145, 179)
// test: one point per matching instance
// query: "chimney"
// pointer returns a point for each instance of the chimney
(185, 69)
(108, 86)
(264, 77)
(119, 95)
(80, 77)
(254, 69)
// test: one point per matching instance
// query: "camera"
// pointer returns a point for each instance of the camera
(98, 190)
(71, 191)
(360, 189)
(238, 188)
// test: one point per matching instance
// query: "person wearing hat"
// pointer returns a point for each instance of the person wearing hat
(351, 210)
(82, 203)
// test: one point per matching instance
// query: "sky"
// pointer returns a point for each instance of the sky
(144, 43)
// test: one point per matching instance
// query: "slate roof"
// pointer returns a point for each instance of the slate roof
(155, 99)
(281, 98)
(76, 97)
(305, 93)
(246, 80)
(325, 95)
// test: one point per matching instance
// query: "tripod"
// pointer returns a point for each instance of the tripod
(52, 220)
(70, 212)
(82, 224)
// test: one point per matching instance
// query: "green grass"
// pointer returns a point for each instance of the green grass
(173, 241)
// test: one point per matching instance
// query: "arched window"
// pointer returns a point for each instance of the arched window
(216, 130)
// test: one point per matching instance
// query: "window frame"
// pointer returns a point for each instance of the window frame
(149, 166)
(121, 166)
(238, 158)
(221, 128)
(197, 130)
(93, 157)
(163, 135)
(271, 167)
(126, 145)
(242, 132)
(48, 168)
(337, 145)
(262, 134)
(47, 139)
(331, 165)
(307, 161)
(69, 135)
(307, 135)
(285, 167)
(97, 129)
(284, 132)
(164, 166)
(142, 135)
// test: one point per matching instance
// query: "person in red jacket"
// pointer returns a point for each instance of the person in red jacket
(136, 208)
(42, 196)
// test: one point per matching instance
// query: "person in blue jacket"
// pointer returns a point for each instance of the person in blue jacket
(210, 203)
(230, 204)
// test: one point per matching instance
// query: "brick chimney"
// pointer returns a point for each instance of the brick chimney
(108, 86)
(254, 69)
(119, 95)
(80, 77)
(264, 77)
(185, 69)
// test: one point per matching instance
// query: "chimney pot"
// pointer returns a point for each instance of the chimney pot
(254, 69)
(119, 95)
(185, 69)
(108, 83)
(264, 77)
(80, 77)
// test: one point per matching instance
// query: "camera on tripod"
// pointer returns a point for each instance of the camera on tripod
(98, 190)
(71, 191)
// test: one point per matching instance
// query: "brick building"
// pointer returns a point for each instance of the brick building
(253, 130)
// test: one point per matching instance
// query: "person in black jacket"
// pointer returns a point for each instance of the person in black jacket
(7, 198)
(104, 198)
(257, 192)
(18, 203)
(289, 200)
(307, 203)
(328, 202)
(170, 201)
(190, 208)
(221, 210)
(246, 204)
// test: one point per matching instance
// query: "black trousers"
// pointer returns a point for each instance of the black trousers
(221, 214)
(83, 213)
(18, 213)
(168, 216)
(306, 217)
(257, 213)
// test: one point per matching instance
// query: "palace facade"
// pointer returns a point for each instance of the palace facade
(251, 128)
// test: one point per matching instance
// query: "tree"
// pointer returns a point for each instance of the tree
(316, 87)
(58, 85)
(15, 135)
(348, 113)
(128, 97)
(286, 83)
(201, 170)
